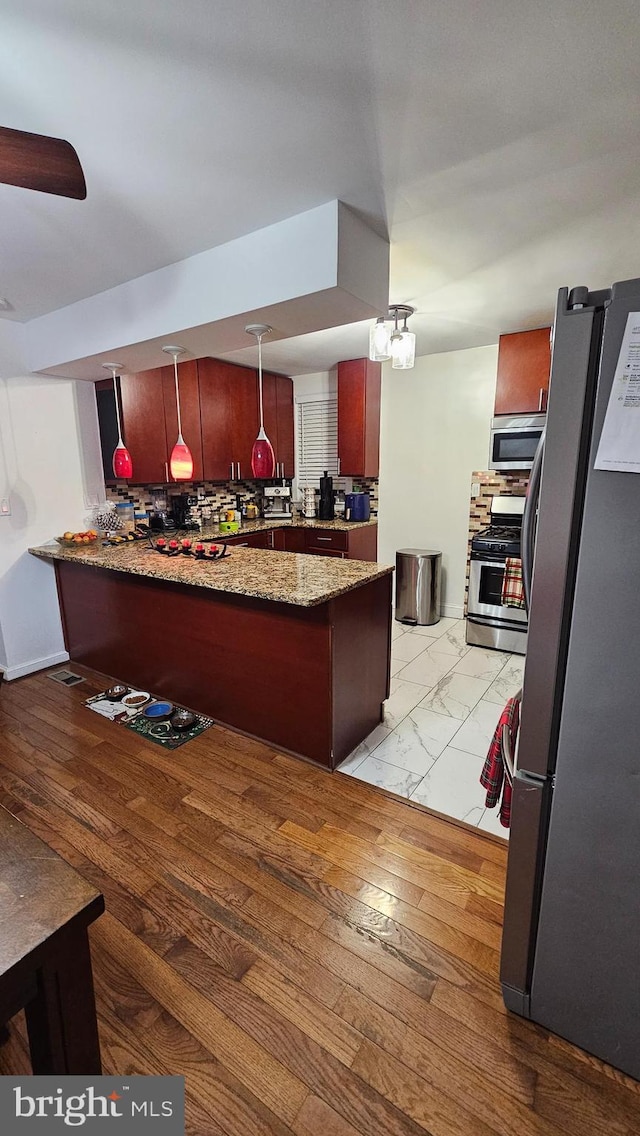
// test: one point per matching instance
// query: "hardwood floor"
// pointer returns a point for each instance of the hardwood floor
(316, 957)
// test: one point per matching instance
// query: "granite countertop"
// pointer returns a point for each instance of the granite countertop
(282, 577)
(297, 522)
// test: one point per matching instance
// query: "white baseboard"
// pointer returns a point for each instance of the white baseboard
(453, 611)
(35, 665)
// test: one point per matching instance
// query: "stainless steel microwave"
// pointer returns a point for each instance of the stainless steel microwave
(514, 440)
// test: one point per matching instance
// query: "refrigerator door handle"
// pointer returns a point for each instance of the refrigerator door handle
(529, 521)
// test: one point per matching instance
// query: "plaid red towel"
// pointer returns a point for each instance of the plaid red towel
(493, 777)
(512, 587)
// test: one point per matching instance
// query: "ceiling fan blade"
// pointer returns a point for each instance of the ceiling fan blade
(35, 161)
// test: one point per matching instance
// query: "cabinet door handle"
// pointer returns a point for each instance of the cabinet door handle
(232, 464)
(239, 474)
(541, 399)
(166, 471)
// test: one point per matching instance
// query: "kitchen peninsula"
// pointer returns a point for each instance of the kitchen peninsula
(289, 648)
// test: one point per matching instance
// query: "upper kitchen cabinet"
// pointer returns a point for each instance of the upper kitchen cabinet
(189, 411)
(359, 417)
(108, 426)
(150, 420)
(277, 392)
(524, 363)
(229, 418)
(143, 425)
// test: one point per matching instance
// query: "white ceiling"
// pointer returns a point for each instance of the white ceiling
(496, 142)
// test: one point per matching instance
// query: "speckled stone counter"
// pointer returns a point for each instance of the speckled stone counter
(298, 522)
(286, 647)
(282, 577)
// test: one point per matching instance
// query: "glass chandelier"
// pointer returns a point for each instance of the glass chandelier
(398, 345)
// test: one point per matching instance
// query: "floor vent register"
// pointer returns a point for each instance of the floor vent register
(67, 678)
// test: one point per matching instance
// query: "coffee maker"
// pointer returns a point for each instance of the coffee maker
(276, 502)
(181, 511)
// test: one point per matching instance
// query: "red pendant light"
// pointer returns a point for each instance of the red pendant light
(181, 460)
(121, 461)
(263, 460)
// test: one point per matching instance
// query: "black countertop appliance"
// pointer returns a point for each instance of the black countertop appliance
(326, 511)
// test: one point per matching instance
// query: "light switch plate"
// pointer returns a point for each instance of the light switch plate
(475, 489)
(5, 507)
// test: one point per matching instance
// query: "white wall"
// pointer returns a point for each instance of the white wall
(434, 432)
(43, 474)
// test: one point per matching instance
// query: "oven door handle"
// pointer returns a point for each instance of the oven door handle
(530, 521)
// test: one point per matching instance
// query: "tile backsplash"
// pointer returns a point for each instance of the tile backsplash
(490, 484)
(213, 497)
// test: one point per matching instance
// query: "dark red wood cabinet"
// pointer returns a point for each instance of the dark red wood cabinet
(524, 363)
(278, 420)
(229, 419)
(150, 420)
(189, 390)
(220, 420)
(260, 539)
(359, 543)
(143, 426)
(359, 382)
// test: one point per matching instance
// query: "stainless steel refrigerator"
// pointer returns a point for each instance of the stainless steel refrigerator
(571, 940)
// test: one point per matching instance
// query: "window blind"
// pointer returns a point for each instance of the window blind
(317, 440)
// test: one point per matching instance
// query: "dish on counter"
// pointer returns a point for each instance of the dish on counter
(76, 540)
(158, 711)
(136, 699)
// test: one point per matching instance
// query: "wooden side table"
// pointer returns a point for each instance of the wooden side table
(45, 965)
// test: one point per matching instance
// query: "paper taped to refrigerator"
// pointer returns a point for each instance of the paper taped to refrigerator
(619, 447)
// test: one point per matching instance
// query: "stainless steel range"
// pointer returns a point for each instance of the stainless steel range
(490, 623)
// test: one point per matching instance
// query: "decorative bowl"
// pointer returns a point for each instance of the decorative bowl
(78, 540)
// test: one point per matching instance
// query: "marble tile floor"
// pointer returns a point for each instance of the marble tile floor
(446, 698)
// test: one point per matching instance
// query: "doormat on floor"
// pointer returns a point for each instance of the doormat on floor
(161, 732)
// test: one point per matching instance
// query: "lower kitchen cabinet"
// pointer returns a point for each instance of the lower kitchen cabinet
(352, 544)
(251, 540)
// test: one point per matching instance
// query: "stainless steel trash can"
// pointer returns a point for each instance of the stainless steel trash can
(418, 573)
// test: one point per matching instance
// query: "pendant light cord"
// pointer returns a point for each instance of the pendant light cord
(260, 380)
(115, 394)
(175, 374)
